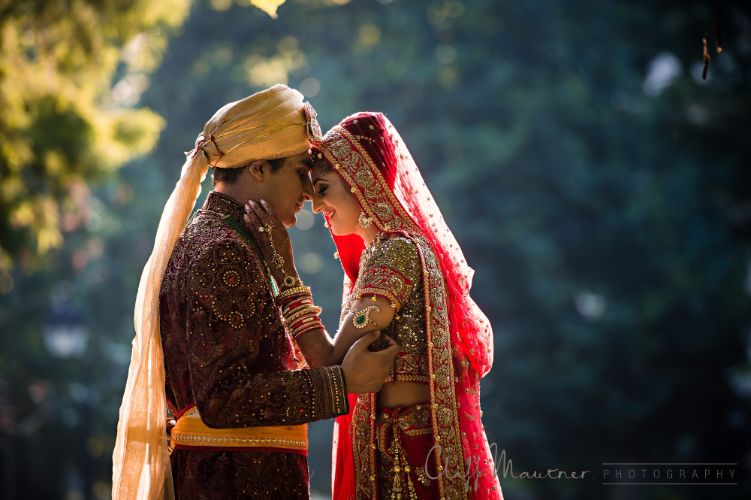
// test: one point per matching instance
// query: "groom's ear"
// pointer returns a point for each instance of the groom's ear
(259, 170)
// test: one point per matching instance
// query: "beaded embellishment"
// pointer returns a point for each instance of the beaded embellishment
(361, 319)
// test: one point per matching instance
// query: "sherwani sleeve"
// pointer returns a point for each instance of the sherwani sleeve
(228, 306)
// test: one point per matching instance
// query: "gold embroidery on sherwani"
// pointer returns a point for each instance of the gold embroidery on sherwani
(226, 350)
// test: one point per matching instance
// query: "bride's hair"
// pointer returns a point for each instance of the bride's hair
(371, 132)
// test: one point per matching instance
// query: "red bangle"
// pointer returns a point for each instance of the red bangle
(284, 302)
(313, 326)
(302, 321)
(288, 308)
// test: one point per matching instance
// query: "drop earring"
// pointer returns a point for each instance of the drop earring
(364, 220)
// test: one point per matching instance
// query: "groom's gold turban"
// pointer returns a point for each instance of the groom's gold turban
(268, 125)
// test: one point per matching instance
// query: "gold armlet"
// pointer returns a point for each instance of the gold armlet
(361, 319)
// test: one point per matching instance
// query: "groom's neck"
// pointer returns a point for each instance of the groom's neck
(236, 191)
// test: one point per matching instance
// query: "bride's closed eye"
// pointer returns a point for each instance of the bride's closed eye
(321, 189)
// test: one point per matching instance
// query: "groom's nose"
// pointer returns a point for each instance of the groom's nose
(307, 191)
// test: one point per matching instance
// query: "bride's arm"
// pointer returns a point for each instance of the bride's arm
(386, 282)
(365, 315)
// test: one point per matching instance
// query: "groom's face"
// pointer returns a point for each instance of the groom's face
(288, 187)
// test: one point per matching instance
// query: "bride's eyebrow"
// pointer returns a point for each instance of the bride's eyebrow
(315, 177)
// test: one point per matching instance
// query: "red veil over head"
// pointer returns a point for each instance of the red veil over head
(367, 152)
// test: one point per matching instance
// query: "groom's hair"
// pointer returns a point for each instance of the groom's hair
(230, 175)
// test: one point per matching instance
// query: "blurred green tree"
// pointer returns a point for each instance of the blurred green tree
(598, 186)
(71, 73)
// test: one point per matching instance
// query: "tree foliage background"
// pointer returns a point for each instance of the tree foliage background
(597, 184)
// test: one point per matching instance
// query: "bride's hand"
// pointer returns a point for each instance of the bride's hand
(267, 229)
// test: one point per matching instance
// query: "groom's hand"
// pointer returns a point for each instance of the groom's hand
(366, 371)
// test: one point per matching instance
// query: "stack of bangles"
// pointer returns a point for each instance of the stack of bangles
(299, 313)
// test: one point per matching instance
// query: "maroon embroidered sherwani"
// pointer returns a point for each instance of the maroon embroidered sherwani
(227, 352)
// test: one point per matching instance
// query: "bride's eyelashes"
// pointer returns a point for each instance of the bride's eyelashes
(321, 189)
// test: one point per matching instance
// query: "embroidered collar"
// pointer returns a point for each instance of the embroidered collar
(224, 205)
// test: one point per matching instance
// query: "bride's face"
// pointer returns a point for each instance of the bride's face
(332, 197)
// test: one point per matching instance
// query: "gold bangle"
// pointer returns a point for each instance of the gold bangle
(293, 291)
(308, 310)
(296, 310)
(302, 303)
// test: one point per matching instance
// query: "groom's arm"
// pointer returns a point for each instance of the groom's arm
(231, 318)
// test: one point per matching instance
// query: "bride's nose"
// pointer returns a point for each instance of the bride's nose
(316, 203)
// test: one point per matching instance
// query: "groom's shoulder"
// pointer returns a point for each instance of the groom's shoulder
(209, 237)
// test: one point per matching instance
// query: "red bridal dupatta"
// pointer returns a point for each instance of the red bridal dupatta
(370, 156)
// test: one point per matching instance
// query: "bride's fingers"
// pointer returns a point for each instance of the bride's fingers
(260, 212)
(251, 218)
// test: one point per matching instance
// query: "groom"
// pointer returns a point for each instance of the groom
(239, 391)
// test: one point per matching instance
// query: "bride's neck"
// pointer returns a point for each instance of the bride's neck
(369, 234)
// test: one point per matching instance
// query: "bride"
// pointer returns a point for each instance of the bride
(421, 436)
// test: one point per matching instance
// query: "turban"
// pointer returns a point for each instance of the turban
(268, 125)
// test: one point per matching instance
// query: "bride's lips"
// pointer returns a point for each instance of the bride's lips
(329, 215)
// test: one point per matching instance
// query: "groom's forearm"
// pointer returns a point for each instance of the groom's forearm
(275, 398)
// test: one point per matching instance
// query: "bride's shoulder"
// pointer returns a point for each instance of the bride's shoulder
(396, 250)
(393, 241)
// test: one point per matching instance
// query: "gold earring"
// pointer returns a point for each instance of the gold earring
(364, 220)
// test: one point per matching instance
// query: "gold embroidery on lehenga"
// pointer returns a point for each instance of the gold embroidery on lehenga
(429, 337)
(395, 473)
(428, 322)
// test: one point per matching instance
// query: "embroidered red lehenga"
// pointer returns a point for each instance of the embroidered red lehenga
(437, 449)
